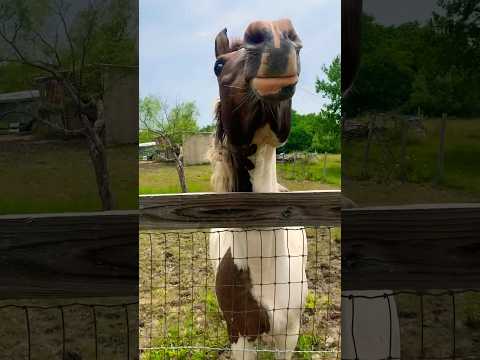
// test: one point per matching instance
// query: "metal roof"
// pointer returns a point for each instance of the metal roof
(19, 96)
(147, 144)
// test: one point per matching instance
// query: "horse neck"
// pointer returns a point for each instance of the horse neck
(264, 175)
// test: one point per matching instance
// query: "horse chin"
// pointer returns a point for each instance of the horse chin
(284, 94)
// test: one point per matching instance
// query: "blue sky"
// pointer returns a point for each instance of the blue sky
(177, 45)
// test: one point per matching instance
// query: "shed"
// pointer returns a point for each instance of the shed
(195, 148)
(18, 110)
(119, 85)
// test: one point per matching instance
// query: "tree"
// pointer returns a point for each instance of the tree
(301, 133)
(169, 126)
(66, 54)
(432, 66)
(327, 134)
(208, 128)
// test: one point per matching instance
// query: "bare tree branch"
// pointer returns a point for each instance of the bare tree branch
(52, 48)
(60, 12)
(92, 22)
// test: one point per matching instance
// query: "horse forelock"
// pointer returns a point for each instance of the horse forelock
(236, 44)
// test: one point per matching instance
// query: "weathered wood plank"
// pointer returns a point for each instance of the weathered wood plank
(411, 247)
(207, 210)
(69, 255)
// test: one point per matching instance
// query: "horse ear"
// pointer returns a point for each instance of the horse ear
(222, 45)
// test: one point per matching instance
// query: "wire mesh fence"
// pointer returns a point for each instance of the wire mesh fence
(69, 331)
(308, 166)
(434, 325)
(180, 314)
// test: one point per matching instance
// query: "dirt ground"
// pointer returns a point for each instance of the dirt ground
(439, 334)
(178, 306)
(46, 337)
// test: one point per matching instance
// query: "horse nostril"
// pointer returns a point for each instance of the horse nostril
(255, 38)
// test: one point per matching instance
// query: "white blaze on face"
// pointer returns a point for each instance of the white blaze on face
(276, 35)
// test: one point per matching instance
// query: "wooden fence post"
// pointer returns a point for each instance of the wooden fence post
(303, 161)
(325, 165)
(371, 124)
(441, 150)
(294, 164)
(403, 151)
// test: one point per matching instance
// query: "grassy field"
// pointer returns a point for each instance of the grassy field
(380, 183)
(178, 306)
(46, 176)
(160, 178)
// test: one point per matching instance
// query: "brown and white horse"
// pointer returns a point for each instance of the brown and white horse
(260, 278)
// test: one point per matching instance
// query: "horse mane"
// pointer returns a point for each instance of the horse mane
(223, 179)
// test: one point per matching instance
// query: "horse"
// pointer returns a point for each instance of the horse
(260, 279)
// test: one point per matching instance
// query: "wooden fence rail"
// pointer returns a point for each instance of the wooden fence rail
(96, 254)
(207, 210)
(431, 246)
(69, 255)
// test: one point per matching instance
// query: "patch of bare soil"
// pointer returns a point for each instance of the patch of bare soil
(72, 329)
(450, 330)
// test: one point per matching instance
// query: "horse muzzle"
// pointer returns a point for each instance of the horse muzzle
(274, 88)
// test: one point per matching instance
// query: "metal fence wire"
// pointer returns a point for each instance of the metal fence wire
(180, 316)
(72, 331)
(432, 324)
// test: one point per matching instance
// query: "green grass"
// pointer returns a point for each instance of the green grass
(160, 178)
(462, 173)
(471, 310)
(312, 170)
(58, 177)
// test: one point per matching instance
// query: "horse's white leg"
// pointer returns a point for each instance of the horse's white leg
(286, 335)
(243, 349)
(285, 346)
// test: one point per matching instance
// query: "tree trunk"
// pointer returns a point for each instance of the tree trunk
(98, 155)
(181, 170)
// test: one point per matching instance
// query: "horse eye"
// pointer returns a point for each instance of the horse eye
(218, 67)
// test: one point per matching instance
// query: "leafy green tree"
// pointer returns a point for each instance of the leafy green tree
(327, 135)
(432, 66)
(301, 133)
(330, 88)
(168, 126)
(181, 121)
(319, 132)
(208, 128)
